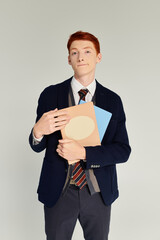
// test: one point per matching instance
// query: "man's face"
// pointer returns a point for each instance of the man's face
(83, 58)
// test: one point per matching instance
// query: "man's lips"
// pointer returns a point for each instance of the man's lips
(81, 65)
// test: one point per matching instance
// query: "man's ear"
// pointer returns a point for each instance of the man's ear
(99, 57)
(69, 60)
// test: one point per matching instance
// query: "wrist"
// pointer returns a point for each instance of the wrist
(37, 134)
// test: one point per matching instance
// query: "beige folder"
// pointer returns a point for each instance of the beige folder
(82, 126)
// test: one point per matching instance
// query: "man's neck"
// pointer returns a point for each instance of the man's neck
(85, 80)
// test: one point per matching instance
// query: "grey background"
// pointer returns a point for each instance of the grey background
(33, 55)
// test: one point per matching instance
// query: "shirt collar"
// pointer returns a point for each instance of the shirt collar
(76, 86)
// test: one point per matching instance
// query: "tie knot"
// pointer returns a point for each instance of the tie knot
(82, 93)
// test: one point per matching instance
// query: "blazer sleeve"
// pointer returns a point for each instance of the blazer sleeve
(41, 109)
(111, 152)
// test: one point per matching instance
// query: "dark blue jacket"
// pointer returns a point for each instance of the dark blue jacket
(114, 149)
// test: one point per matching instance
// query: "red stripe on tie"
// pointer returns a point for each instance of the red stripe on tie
(83, 185)
(76, 166)
(81, 179)
(77, 174)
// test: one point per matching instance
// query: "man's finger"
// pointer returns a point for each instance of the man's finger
(53, 111)
(60, 113)
(62, 123)
(62, 118)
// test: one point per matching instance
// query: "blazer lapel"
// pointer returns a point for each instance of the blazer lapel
(102, 99)
(63, 92)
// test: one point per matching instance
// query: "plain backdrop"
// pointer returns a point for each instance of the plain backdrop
(33, 55)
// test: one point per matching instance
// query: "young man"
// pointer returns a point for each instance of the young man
(78, 182)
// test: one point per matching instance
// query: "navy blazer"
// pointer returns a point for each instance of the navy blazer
(114, 148)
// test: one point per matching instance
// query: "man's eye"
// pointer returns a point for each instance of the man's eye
(74, 53)
(87, 51)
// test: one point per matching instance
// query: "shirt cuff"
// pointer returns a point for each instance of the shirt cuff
(36, 140)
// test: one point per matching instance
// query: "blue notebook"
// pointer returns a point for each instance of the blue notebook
(103, 117)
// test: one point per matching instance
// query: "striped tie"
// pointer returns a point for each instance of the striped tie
(82, 93)
(78, 174)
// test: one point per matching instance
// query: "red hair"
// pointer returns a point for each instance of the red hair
(84, 36)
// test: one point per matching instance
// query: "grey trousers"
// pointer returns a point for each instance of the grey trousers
(90, 210)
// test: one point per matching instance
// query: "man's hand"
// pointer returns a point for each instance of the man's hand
(71, 150)
(50, 122)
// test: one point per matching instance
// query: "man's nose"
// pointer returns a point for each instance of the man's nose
(80, 57)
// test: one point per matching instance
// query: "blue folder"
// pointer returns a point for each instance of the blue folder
(103, 117)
